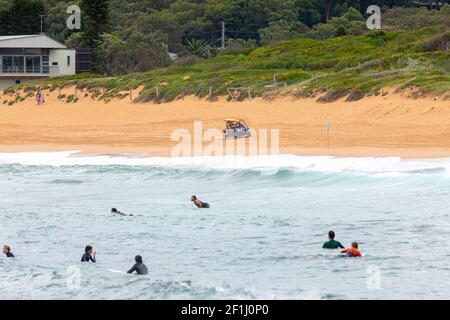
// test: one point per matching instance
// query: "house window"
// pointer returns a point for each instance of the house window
(29, 64)
(7, 63)
(68, 61)
(18, 82)
(13, 64)
(36, 64)
(45, 64)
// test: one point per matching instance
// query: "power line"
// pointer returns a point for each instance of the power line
(202, 32)
(244, 32)
(243, 24)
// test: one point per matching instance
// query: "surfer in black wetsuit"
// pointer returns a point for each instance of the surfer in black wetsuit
(139, 267)
(7, 251)
(199, 203)
(115, 212)
(89, 255)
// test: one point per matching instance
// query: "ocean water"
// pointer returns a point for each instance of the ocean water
(261, 239)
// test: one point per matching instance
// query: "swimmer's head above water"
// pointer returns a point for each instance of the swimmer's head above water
(6, 249)
(331, 235)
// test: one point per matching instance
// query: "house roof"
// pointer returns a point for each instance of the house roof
(30, 42)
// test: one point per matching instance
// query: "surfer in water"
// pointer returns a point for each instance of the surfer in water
(89, 255)
(199, 203)
(353, 251)
(331, 243)
(7, 251)
(139, 267)
(116, 212)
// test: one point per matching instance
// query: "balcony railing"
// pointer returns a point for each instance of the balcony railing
(50, 71)
(26, 65)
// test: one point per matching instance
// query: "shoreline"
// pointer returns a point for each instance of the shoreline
(136, 152)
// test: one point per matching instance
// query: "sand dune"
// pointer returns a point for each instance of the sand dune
(375, 126)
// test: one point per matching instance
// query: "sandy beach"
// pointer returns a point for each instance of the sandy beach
(392, 125)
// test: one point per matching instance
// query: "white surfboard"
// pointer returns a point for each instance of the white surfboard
(117, 271)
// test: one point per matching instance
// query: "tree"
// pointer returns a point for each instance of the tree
(329, 6)
(352, 22)
(281, 30)
(21, 17)
(309, 12)
(96, 22)
(138, 53)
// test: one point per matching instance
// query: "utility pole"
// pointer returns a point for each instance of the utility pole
(223, 35)
(42, 23)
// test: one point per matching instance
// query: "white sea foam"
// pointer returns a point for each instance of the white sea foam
(374, 165)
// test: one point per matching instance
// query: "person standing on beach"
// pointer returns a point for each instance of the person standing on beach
(89, 255)
(139, 267)
(38, 98)
(7, 251)
(332, 244)
(199, 203)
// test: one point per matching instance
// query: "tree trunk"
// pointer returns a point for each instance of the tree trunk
(329, 5)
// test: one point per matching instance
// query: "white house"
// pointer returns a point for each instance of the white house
(26, 58)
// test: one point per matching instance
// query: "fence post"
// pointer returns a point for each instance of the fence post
(210, 92)
(157, 94)
(328, 129)
(249, 93)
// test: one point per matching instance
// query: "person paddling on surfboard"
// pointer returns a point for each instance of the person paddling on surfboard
(353, 251)
(199, 203)
(116, 212)
(139, 267)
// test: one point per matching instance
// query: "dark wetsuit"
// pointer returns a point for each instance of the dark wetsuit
(123, 214)
(140, 268)
(205, 205)
(10, 255)
(87, 258)
(332, 244)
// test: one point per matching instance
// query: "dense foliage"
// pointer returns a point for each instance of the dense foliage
(20, 16)
(137, 35)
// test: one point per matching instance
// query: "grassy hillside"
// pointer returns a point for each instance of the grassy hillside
(353, 66)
